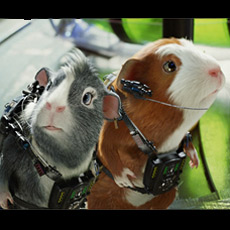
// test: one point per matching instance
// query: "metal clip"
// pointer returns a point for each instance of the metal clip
(96, 168)
(116, 123)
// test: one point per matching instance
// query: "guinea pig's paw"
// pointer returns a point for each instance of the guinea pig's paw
(194, 160)
(4, 198)
(123, 180)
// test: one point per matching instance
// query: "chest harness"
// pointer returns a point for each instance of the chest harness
(162, 171)
(65, 194)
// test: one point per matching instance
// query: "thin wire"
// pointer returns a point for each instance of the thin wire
(175, 106)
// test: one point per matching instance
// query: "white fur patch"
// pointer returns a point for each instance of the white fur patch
(137, 199)
(123, 180)
(59, 97)
(27, 113)
(189, 119)
(192, 86)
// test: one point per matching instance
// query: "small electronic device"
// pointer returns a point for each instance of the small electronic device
(162, 172)
(136, 88)
(71, 194)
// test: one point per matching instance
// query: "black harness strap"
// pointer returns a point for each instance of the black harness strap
(142, 142)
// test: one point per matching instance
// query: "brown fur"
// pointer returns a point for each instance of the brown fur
(105, 194)
(117, 148)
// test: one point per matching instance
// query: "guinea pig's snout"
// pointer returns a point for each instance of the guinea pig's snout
(216, 72)
(217, 75)
(57, 109)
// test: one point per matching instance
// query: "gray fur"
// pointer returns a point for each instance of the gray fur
(17, 172)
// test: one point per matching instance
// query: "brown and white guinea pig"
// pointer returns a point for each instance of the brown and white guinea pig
(177, 73)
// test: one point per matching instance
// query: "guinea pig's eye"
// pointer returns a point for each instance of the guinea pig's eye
(169, 66)
(87, 98)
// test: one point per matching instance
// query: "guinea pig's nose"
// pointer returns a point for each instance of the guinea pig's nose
(48, 106)
(58, 109)
(214, 72)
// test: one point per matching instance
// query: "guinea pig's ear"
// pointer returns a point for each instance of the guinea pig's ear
(132, 70)
(43, 76)
(111, 106)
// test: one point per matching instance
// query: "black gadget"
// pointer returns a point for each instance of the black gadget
(71, 194)
(162, 172)
(136, 88)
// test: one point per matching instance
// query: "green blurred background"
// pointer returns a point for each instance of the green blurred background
(212, 32)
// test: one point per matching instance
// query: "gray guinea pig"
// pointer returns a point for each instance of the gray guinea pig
(64, 126)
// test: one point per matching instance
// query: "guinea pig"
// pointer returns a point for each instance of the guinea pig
(178, 74)
(64, 126)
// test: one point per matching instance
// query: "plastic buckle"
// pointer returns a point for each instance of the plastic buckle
(39, 168)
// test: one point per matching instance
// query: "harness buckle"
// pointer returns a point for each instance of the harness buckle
(39, 168)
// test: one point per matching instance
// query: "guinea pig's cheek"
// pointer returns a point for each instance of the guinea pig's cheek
(64, 120)
(42, 118)
(42, 114)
